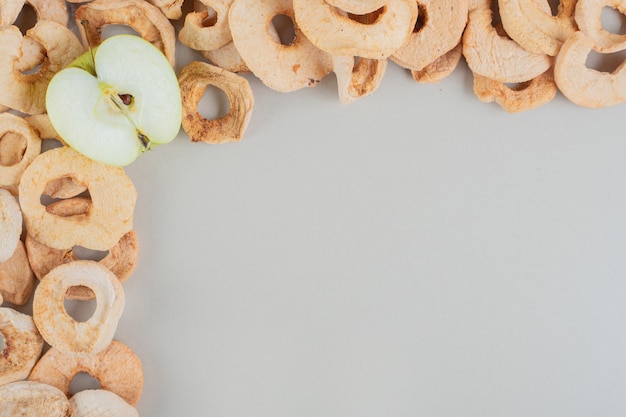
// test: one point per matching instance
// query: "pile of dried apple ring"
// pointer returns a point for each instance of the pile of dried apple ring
(520, 62)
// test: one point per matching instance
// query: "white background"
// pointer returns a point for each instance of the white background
(416, 253)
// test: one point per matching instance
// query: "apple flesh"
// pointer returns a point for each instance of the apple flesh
(116, 101)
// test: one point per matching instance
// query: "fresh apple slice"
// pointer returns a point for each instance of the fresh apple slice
(116, 101)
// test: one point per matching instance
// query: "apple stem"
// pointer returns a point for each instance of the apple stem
(85, 23)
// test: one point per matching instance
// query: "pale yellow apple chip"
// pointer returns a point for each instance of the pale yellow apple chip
(10, 10)
(588, 17)
(227, 57)
(146, 19)
(33, 399)
(10, 224)
(585, 86)
(26, 92)
(281, 67)
(525, 96)
(121, 259)
(21, 348)
(376, 35)
(207, 30)
(357, 77)
(101, 403)
(19, 146)
(113, 201)
(532, 25)
(440, 68)
(61, 330)
(496, 56)
(117, 368)
(16, 277)
(440, 28)
(172, 9)
(194, 79)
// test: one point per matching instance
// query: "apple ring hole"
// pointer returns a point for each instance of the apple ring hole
(518, 86)
(608, 62)
(613, 21)
(50, 143)
(1, 344)
(422, 18)
(79, 310)
(49, 197)
(285, 29)
(554, 6)
(12, 148)
(33, 69)
(211, 17)
(496, 20)
(89, 254)
(367, 18)
(83, 381)
(26, 19)
(213, 104)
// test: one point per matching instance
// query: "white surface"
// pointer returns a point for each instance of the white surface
(416, 253)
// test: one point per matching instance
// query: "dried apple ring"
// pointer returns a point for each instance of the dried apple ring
(21, 348)
(33, 399)
(440, 68)
(172, 9)
(525, 96)
(357, 77)
(584, 86)
(334, 31)
(532, 25)
(588, 17)
(201, 37)
(62, 331)
(227, 57)
(147, 20)
(494, 56)
(281, 67)
(193, 80)
(10, 175)
(121, 259)
(16, 277)
(26, 92)
(112, 193)
(444, 22)
(10, 224)
(117, 368)
(101, 403)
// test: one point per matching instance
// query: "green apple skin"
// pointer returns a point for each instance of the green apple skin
(84, 105)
